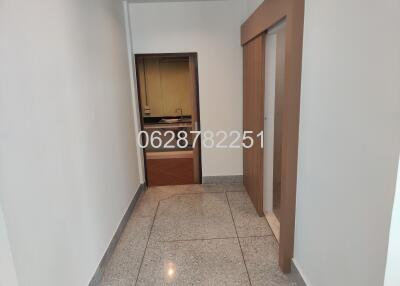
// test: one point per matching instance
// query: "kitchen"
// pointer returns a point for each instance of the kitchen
(169, 113)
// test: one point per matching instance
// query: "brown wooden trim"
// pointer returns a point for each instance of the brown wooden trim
(170, 155)
(194, 103)
(137, 62)
(253, 118)
(192, 56)
(166, 55)
(266, 15)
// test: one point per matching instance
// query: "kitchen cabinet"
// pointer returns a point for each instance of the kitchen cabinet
(165, 87)
(170, 168)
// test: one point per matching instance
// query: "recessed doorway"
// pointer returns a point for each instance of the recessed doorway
(169, 112)
(273, 108)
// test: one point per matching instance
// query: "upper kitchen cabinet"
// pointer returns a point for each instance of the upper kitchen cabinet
(150, 87)
(164, 86)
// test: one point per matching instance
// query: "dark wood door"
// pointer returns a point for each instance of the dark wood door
(253, 118)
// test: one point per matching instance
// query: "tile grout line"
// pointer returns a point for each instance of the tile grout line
(255, 236)
(196, 239)
(197, 193)
(214, 238)
(147, 243)
(237, 237)
(200, 193)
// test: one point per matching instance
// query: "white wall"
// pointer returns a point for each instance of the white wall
(212, 29)
(392, 276)
(349, 140)
(8, 276)
(250, 6)
(68, 158)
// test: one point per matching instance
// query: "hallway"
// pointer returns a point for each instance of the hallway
(195, 235)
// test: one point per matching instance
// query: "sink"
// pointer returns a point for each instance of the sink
(170, 120)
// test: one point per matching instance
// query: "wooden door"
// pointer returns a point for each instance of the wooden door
(268, 14)
(253, 118)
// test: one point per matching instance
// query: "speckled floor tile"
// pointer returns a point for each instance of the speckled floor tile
(223, 188)
(146, 205)
(116, 282)
(194, 216)
(164, 191)
(246, 219)
(193, 240)
(197, 262)
(234, 188)
(124, 264)
(204, 188)
(261, 256)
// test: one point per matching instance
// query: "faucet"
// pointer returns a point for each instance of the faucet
(176, 110)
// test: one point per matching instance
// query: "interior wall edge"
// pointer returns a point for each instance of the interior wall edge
(134, 89)
(298, 274)
(8, 275)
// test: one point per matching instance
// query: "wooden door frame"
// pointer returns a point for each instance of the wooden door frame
(192, 55)
(266, 16)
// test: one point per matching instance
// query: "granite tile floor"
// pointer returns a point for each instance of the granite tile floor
(195, 235)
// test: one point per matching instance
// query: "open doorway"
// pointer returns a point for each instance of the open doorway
(273, 108)
(169, 114)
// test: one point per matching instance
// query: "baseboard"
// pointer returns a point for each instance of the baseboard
(237, 179)
(298, 275)
(98, 275)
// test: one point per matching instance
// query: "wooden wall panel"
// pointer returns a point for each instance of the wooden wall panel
(253, 118)
(265, 16)
(290, 134)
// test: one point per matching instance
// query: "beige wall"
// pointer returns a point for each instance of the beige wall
(392, 274)
(8, 276)
(68, 158)
(349, 140)
(210, 28)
